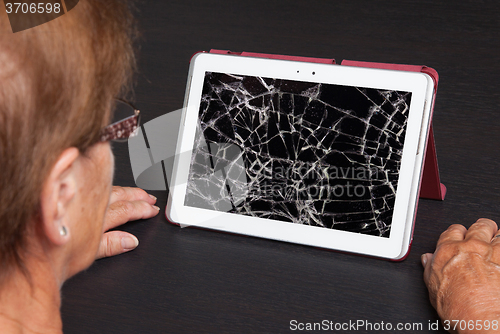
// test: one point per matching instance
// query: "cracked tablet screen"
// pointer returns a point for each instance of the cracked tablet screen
(317, 154)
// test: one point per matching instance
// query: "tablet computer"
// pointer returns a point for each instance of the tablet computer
(316, 154)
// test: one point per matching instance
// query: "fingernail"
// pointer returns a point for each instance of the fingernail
(157, 208)
(152, 197)
(423, 258)
(130, 242)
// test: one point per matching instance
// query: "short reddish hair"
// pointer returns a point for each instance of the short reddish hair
(57, 84)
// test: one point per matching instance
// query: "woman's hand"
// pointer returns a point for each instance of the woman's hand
(126, 204)
(463, 277)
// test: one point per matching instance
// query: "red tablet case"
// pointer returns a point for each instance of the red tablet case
(430, 184)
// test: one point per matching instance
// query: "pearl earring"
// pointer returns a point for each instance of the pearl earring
(63, 231)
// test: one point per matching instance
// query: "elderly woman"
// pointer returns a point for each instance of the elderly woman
(58, 82)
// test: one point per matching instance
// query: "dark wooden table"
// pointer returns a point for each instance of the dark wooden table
(195, 281)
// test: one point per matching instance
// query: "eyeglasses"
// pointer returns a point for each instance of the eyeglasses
(125, 123)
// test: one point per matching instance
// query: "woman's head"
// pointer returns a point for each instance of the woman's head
(57, 85)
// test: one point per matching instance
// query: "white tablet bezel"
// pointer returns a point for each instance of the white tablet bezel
(394, 246)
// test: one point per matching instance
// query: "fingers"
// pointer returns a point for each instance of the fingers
(426, 263)
(124, 211)
(131, 194)
(116, 242)
(461, 255)
(425, 259)
(483, 229)
(495, 242)
(125, 204)
(496, 239)
(455, 232)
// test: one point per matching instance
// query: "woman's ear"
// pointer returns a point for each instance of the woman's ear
(58, 191)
